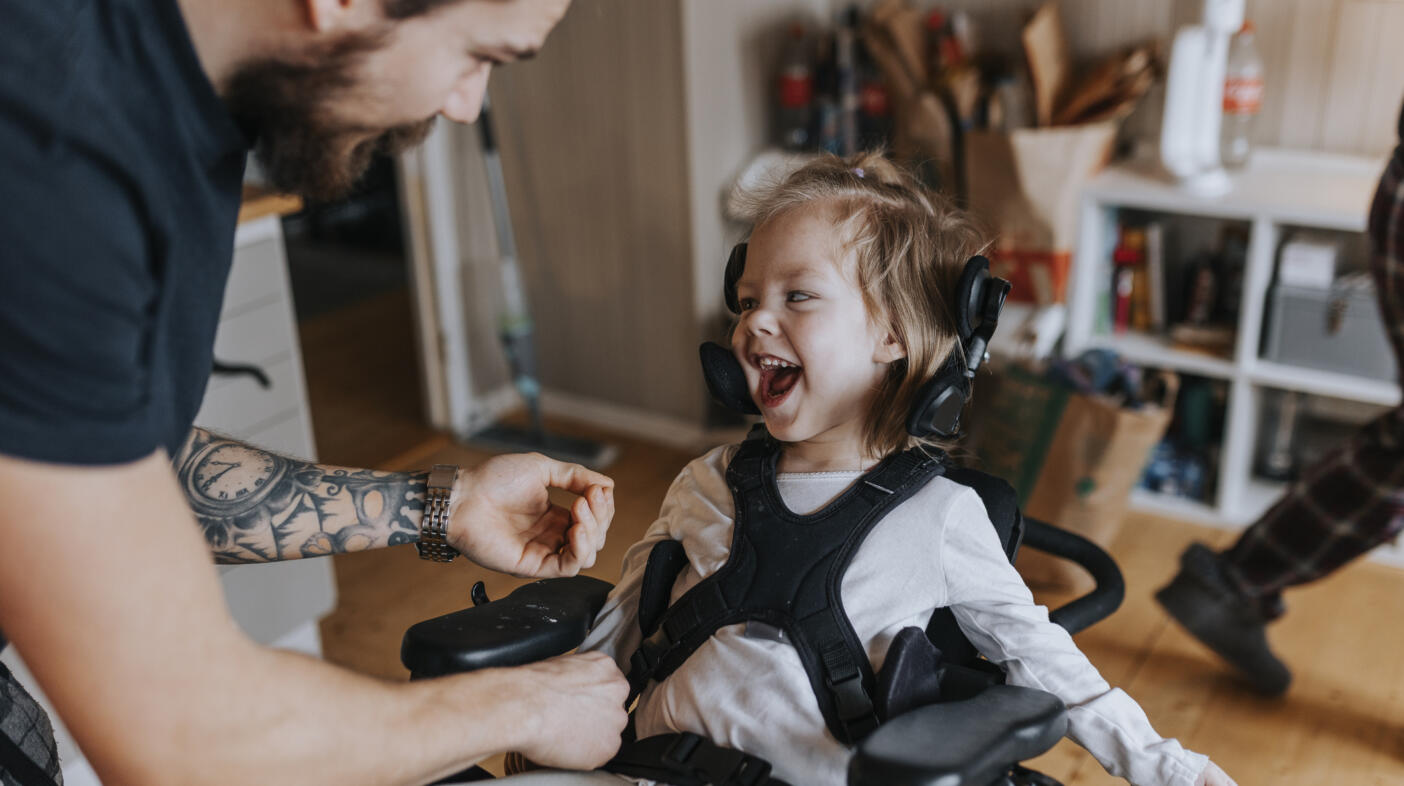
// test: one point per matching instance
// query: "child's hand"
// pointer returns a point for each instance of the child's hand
(1213, 776)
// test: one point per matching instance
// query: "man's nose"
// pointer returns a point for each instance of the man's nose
(465, 101)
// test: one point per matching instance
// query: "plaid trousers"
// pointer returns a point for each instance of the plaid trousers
(1353, 498)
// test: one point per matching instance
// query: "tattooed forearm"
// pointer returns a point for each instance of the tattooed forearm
(256, 506)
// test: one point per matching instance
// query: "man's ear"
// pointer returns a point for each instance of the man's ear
(890, 349)
(330, 16)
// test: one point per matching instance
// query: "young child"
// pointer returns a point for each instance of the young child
(844, 313)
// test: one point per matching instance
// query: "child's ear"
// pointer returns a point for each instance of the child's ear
(890, 349)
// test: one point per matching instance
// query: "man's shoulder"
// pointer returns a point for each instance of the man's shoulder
(42, 45)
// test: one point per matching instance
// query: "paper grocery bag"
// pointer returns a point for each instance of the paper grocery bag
(1094, 461)
(1026, 186)
(1011, 423)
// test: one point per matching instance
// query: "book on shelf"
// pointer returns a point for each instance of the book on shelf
(1155, 275)
(1137, 295)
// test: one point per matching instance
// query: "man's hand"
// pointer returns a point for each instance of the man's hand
(575, 710)
(503, 517)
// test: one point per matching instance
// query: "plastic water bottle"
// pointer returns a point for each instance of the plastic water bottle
(796, 92)
(1243, 97)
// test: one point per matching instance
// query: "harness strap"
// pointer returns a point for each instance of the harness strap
(665, 562)
(770, 543)
(845, 679)
(689, 759)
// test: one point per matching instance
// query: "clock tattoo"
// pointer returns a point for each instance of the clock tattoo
(256, 506)
(227, 478)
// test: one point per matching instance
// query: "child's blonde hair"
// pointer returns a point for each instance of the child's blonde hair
(911, 245)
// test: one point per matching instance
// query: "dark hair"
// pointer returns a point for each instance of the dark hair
(401, 9)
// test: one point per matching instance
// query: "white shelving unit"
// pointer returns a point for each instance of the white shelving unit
(1280, 190)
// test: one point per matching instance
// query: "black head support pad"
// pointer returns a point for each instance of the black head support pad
(725, 379)
(939, 403)
(735, 266)
(979, 298)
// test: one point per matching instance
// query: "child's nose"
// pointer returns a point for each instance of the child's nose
(761, 321)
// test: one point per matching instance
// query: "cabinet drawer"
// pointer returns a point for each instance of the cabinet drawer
(238, 405)
(256, 335)
(289, 437)
(255, 275)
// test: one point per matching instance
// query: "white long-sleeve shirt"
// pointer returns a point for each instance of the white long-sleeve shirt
(936, 549)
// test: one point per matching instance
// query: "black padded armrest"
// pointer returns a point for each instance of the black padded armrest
(536, 621)
(960, 743)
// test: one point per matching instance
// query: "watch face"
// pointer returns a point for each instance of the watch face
(229, 474)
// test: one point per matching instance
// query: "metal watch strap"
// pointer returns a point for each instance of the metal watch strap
(433, 528)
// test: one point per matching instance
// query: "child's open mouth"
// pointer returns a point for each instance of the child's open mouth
(777, 379)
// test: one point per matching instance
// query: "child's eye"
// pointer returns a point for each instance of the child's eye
(799, 297)
(747, 303)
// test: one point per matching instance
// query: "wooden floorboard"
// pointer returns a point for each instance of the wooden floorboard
(363, 381)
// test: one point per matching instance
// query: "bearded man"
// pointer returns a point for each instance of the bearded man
(124, 128)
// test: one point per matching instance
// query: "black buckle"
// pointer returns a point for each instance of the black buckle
(715, 764)
(641, 663)
(849, 697)
(751, 772)
(682, 748)
(854, 707)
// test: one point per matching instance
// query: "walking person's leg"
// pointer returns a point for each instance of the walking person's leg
(1343, 506)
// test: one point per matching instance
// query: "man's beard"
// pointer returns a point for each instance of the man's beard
(301, 145)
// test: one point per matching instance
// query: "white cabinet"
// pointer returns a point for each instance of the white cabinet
(278, 603)
(258, 329)
(1278, 193)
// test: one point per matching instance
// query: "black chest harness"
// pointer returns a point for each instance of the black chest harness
(783, 570)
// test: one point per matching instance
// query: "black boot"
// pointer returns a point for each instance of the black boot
(1203, 600)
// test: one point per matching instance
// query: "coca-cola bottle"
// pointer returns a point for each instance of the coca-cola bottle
(795, 91)
(1243, 97)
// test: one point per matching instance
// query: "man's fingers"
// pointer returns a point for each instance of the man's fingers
(569, 559)
(573, 477)
(586, 531)
(563, 535)
(608, 518)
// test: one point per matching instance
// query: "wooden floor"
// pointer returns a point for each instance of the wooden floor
(363, 381)
(1342, 722)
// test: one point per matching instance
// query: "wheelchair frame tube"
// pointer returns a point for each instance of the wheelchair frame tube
(1104, 598)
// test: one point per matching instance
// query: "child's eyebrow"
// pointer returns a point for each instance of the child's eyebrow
(809, 273)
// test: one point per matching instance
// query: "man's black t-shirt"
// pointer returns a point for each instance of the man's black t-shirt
(120, 173)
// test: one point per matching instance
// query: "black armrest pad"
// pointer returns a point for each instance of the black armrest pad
(535, 622)
(960, 743)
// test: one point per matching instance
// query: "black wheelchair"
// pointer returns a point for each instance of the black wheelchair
(959, 725)
(983, 734)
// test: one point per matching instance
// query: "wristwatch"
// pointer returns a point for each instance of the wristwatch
(433, 542)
